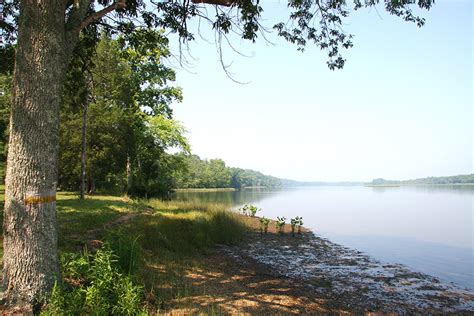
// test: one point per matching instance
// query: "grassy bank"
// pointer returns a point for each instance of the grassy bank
(152, 245)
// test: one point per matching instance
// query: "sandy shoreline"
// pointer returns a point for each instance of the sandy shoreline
(351, 279)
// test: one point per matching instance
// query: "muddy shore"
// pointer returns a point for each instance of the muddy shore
(350, 279)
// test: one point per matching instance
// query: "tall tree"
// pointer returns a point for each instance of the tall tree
(129, 113)
(7, 54)
(46, 33)
(5, 99)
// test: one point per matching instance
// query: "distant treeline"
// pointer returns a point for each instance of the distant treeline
(213, 173)
(460, 179)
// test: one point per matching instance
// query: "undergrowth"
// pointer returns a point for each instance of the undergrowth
(94, 285)
(142, 263)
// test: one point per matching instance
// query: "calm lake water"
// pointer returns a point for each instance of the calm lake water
(428, 228)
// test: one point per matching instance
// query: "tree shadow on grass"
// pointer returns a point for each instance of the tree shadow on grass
(77, 217)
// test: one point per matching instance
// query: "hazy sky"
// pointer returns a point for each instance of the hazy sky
(401, 108)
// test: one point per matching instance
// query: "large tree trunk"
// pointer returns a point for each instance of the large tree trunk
(31, 265)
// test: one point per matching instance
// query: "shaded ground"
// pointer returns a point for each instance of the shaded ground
(224, 285)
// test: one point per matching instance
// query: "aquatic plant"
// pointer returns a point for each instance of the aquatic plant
(244, 210)
(252, 210)
(293, 222)
(300, 223)
(249, 210)
(296, 222)
(264, 224)
(280, 224)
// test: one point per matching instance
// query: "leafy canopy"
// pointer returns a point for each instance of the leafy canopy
(128, 128)
(318, 22)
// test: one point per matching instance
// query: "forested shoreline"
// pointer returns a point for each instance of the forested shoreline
(117, 127)
(214, 173)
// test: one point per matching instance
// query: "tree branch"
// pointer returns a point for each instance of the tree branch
(74, 17)
(226, 3)
(77, 13)
(99, 14)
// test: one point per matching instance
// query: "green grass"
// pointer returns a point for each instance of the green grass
(77, 218)
(156, 246)
(185, 228)
(173, 238)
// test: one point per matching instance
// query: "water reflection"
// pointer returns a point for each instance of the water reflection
(451, 188)
(231, 198)
(429, 228)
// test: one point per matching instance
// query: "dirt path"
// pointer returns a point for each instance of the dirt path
(92, 237)
(90, 234)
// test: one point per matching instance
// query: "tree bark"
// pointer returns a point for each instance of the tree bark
(31, 265)
(84, 150)
(128, 170)
(91, 183)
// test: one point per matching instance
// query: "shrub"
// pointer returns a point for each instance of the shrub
(264, 224)
(253, 210)
(280, 224)
(249, 210)
(244, 210)
(293, 223)
(96, 287)
(299, 222)
(296, 222)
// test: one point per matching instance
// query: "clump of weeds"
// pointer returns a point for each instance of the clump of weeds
(280, 225)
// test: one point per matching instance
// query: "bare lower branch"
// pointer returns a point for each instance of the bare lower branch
(99, 14)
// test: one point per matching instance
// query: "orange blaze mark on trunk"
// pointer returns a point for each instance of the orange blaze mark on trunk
(39, 199)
